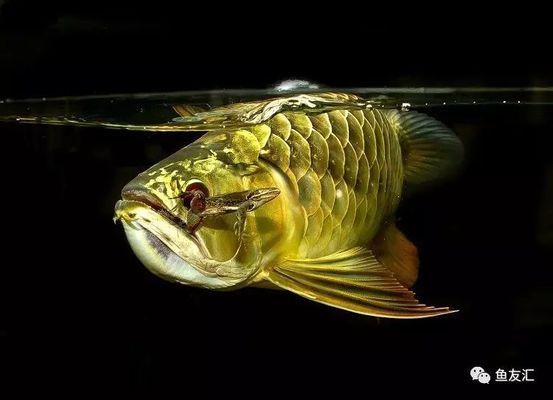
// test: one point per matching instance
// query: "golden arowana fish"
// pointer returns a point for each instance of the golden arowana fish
(299, 201)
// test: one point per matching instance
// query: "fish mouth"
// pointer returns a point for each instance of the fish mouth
(162, 256)
(160, 239)
(143, 209)
(153, 202)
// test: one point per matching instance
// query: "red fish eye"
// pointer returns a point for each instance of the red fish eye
(194, 195)
(194, 186)
(197, 204)
(186, 198)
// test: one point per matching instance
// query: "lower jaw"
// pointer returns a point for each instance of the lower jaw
(165, 263)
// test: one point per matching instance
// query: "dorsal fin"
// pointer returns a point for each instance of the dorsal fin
(186, 110)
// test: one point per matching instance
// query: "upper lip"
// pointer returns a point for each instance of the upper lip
(154, 203)
(143, 197)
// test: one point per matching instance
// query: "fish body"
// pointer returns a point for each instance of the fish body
(326, 232)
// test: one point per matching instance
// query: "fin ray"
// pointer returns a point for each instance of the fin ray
(354, 280)
(397, 253)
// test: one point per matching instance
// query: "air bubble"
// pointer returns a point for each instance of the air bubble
(295, 84)
(405, 106)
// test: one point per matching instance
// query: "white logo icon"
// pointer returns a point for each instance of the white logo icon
(476, 371)
(484, 377)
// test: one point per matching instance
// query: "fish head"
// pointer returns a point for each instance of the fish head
(157, 221)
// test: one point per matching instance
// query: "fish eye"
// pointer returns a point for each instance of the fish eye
(193, 196)
(197, 185)
(197, 204)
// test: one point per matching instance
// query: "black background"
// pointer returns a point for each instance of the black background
(78, 312)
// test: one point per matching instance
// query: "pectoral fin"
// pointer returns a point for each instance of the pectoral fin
(352, 280)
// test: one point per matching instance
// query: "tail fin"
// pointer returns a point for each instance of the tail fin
(430, 149)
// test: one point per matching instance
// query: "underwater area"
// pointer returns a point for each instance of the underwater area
(485, 239)
(87, 102)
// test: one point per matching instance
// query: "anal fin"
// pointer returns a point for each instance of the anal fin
(398, 254)
(352, 280)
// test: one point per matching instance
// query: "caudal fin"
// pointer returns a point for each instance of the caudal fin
(430, 149)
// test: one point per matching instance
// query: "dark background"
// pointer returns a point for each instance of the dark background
(80, 315)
